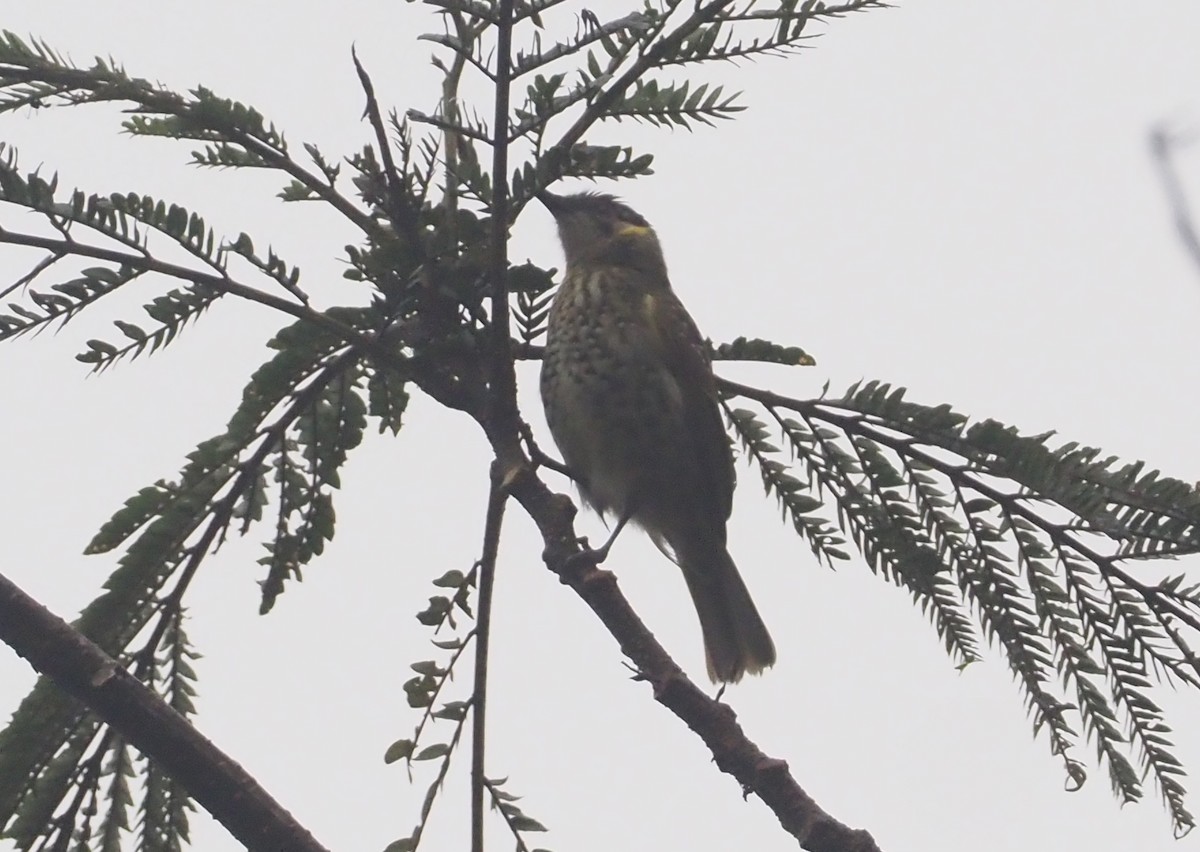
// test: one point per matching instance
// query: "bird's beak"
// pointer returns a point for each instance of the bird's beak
(552, 202)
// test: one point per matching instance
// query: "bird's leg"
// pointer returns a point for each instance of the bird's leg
(600, 554)
(597, 555)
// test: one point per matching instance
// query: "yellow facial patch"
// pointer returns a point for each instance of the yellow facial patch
(628, 230)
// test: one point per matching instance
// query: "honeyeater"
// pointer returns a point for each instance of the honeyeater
(632, 404)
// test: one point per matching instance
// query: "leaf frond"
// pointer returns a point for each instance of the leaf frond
(1034, 539)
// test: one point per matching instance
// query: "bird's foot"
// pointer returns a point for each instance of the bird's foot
(597, 556)
(587, 556)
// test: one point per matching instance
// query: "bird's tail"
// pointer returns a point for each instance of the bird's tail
(735, 639)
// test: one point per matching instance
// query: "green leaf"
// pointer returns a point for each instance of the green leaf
(432, 752)
(745, 349)
(452, 579)
(524, 823)
(399, 750)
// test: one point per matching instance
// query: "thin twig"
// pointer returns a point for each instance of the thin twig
(32, 275)
(1162, 145)
(502, 407)
(497, 497)
(503, 398)
(364, 342)
(450, 86)
(402, 218)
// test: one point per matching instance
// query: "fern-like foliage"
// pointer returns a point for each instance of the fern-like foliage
(983, 526)
(673, 105)
(83, 795)
(301, 413)
(127, 220)
(998, 537)
(237, 136)
(745, 349)
(611, 78)
(533, 288)
(783, 31)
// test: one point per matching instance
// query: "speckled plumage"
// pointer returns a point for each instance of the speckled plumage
(632, 404)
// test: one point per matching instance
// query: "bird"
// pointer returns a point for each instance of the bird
(631, 402)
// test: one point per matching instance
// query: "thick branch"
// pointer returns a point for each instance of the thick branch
(214, 779)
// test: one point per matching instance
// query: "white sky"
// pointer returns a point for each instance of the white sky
(956, 197)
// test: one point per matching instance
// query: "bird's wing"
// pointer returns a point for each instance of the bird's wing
(683, 352)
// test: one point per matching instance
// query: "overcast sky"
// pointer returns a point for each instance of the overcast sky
(953, 196)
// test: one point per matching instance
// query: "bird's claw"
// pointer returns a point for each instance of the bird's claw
(587, 556)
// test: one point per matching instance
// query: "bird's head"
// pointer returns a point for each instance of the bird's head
(597, 228)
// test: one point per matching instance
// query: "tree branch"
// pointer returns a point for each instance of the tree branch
(1163, 143)
(714, 722)
(502, 377)
(84, 671)
(493, 523)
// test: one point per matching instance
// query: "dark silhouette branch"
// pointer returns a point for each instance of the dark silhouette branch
(497, 498)
(215, 780)
(502, 405)
(502, 378)
(148, 263)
